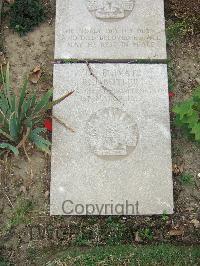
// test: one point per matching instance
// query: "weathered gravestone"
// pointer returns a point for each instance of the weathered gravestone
(110, 29)
(118, 159)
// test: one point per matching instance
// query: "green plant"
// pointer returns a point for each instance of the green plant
(171, 76)
(187, 179)
(176, 30)
(146, 255)
(188, 116)
(146, 234)
(70, 61)
(116, 231)
(164, 216)
(4, 262)
(19, 214)
(25, 15)
(21, 117)
(82, 240)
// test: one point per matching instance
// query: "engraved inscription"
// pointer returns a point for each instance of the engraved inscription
(130, 38)
(110, 10)
(111, 133)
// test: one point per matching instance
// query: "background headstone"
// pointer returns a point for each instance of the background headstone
(120, 150)
(110, 29)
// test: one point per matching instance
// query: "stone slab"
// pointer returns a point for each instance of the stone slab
(110, 29)
(120, 152)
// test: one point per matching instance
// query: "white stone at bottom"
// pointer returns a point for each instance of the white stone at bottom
(118, 160)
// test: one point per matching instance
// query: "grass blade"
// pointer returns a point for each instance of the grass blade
(60, 99)
(6, 83)
(43, 103)
(22, 95)
(13, 127)
(5, 135)
(39, 141)
(10, 147)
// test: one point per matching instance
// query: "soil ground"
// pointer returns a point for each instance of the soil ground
(26, 226)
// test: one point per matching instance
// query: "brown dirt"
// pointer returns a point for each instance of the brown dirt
(184, 9)
(24, 53)
(21, 180)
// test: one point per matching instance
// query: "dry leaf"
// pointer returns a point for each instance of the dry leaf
(35, 74)
(196, 223)
(36, 69)
(176, 232)
(137, 237)
(23, 189)
(10, 1)
(46, 194)
(189, 209)
(2, 59)
(177, 170)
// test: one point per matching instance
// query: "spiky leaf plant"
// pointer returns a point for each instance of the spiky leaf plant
(21, 116)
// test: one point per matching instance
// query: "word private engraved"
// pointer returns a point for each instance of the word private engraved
(110, 10)
(111, 133)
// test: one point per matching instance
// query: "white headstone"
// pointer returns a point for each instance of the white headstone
(110, 29)
(118, 159)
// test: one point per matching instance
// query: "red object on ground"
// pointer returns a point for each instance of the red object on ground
(171, 94)
(48, 124)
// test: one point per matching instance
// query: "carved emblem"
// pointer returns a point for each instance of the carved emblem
(111, 133)
(109, 10)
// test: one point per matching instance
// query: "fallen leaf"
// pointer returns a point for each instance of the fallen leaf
(36, 69)
(137, 237)
(35, 74)
(46, 194)
(177, 170)
(23, 189)
(10, 1)
(176, 232)
(196, 223)
(2, 59)
(190, 209)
